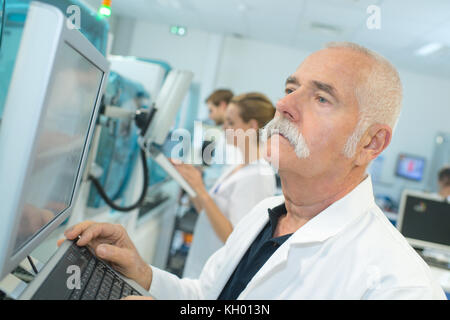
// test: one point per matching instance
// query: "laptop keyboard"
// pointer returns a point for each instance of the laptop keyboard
(80, 275)
(99, 282)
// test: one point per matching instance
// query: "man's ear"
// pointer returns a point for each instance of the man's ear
(375, 140)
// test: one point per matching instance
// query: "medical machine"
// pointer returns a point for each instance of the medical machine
(424, 220)
(13, 16)
(166, 107)
(44, 142)
(154, 130)
(117, 150)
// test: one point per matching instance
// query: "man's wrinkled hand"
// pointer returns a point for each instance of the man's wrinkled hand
(111, 243)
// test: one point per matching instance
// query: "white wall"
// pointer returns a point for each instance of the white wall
(156, 42)
(198, 51)
(239, 62)
(247, 65)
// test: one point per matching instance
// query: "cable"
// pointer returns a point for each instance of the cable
(141, 199)
(32, 265)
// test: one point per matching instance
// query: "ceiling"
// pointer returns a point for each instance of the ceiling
(406, 25)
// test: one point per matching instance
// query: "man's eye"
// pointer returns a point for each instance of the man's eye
(322, 99)
(288, 91)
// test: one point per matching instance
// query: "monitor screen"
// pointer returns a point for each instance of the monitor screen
(426, 220)
(62, 137)
(410, 167)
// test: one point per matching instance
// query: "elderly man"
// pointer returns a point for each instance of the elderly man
(325, 238)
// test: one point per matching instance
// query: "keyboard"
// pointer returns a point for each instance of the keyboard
(97, 280)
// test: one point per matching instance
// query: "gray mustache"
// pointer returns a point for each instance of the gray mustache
(287, 129)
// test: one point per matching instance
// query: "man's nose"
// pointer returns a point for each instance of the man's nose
(288, 107)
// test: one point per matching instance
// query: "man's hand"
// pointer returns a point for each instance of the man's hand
(112, 243)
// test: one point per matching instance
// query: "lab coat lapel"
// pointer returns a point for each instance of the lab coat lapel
(238, 247)
(323, 226)
(279, 257)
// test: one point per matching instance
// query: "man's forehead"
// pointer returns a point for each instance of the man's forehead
(340, 68)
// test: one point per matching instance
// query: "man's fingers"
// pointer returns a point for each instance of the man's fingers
(97, 230)
(113, 254)
(78, 229)
(60, 242)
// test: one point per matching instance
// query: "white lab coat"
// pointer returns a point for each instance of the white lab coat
(235, 195)
(348, 251)
(226, 156)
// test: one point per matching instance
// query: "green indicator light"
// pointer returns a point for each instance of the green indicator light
(177, 30)
(104, 11)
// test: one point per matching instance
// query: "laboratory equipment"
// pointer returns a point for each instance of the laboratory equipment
(117, 149)
(45, 133)
(166, 107)
(13, 20)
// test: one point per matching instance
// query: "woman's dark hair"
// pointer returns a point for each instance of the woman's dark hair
(255, 105)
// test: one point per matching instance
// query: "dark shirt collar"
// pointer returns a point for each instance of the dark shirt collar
(274, 215)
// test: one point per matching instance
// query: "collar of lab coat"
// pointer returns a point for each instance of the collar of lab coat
(337, 216)
(326, 224)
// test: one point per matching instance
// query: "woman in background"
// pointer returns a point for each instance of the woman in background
(238, 189)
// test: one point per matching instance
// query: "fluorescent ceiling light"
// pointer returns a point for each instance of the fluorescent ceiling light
(429, 49)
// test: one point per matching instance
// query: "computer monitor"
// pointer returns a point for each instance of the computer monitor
(48, 120)
(410, 167)
(424, 220)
